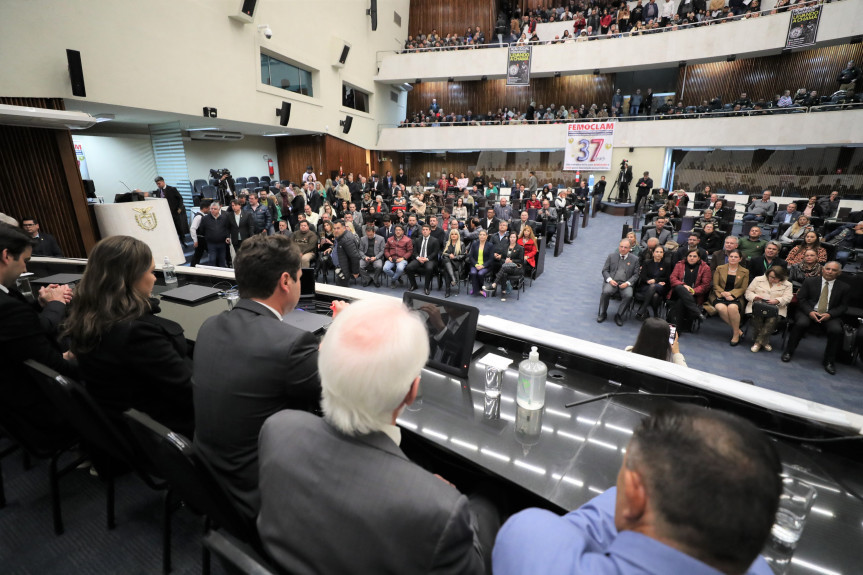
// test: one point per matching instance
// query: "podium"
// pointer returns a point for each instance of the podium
(149, 221)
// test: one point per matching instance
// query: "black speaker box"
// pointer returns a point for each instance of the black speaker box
(346, 125)
(249, 8)
(344, 55)
(284, 113)
(76, 73)
(373, 12)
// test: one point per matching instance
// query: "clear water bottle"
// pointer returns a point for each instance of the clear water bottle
(531, 381)
(590, 181)
(168, 272)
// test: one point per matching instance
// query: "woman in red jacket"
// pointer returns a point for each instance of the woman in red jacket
(690, 281)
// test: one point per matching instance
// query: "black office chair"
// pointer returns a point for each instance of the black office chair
(24, 436)
(237, 558)
(191, 478)
(111, 450)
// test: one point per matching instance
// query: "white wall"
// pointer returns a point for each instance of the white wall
(179, 56)
(814, 129)
(244, 158)
(114, 158)
(746, 39)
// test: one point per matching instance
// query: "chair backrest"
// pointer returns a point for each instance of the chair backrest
(209, 191)
(265, 179)
(253, 179)
(87, 418)
(241, 181)
(188, 475)
(199, 186)
(235, 558)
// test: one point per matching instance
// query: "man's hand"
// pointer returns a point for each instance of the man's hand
(68, 355)
(435, 318)
(651, 282)
(196, 244)
(228, 241)
(614, 283)
(338, 306)
(55, 292)
(624, 285)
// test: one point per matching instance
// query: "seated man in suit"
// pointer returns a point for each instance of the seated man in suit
(660, 232)
(620, 274)
(426, 251)
(655, 520)
(823, 301)
(337, 494)
(789, 216)
(760, 265)
(692, 243)
(720, 257)
(489, 222)
(523, 220)
(44, 244)
(371, 257)
(25, 335)
(249, 364)
(547, 216)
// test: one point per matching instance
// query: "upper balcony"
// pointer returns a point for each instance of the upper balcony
(818, 126)
(745, 38)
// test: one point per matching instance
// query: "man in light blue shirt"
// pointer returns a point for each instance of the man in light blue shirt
(697, 494)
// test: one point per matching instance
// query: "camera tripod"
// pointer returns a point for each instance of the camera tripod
(622, 185)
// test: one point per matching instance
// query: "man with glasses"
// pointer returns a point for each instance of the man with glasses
(44, 244)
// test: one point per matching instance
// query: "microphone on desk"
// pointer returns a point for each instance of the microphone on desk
(640, 394)
(127, 187)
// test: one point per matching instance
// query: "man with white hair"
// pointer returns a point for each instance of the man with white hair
(337, 494)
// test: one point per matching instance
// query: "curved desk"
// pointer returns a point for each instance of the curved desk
(567, 456)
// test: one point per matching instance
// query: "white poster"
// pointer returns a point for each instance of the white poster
(589, 146)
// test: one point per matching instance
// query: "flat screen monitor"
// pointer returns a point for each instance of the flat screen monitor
(452, 331)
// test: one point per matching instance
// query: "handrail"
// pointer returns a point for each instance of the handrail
(722, 113)
(608, 36)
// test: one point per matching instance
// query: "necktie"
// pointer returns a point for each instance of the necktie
(423, 250)
(822, 301)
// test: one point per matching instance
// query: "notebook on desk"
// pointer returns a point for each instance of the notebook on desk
(60, 279)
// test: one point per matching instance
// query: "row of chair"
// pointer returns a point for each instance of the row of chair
(163, 460)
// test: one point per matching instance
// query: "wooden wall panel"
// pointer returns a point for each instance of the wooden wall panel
(294, 153)
(39, 178)
(451, 16)
(345, 156)
(324, 153)
(482, 96)
(763, 77)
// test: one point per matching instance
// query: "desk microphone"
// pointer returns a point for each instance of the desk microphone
(640, 394)
(127, 187)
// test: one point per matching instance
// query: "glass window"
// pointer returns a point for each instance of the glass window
(353, 98)
(280, 74)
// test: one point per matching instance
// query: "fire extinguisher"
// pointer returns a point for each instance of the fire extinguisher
(270, 166)
(577, 176)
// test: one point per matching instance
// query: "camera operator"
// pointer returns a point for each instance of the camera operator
(226, 185)
(644, 186)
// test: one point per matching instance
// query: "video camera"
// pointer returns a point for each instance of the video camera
(217, 174)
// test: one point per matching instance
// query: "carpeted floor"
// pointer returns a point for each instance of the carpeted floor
(563, 300)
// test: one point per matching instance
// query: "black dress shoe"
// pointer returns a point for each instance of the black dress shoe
(413, 288)
(640, 316)
(427, 291)
(377, 283)
(830, 367)
(601, 318)
(786, 357)
(618, 320)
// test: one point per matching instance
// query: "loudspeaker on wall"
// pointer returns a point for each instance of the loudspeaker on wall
(284, 113)
(76, 73)
(346, 124)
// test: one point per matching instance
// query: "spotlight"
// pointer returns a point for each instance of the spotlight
(596, 72)
(731, 58)
(557, 74)
(682, 64)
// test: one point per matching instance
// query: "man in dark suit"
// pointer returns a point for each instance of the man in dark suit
(620, 273)
(43, 243)
(337, 494)
(691, 244)
(760, 265)
(490, 221)
(387, 230)
(214, 228)
(175, 204)
(659, 231)
(345, 254)
(789, 216)
(271, 365)
(425, 258)
(517, 225)
(240, 224)
(823, 301)
(25, 333)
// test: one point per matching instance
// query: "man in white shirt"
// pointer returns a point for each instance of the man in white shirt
(309, 175)
(666, 13)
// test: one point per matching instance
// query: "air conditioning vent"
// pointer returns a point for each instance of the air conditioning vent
(394, 96)
(397, 19)
(216, 136)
